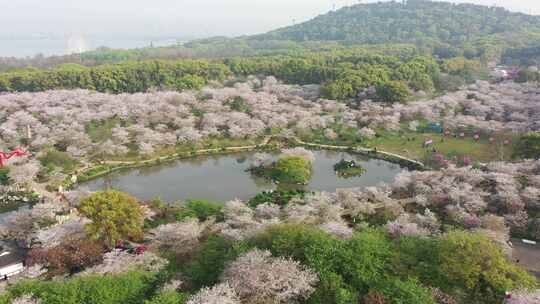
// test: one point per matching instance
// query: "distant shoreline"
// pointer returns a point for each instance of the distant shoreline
(58, 46)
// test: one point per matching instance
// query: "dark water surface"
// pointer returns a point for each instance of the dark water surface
(224, 177)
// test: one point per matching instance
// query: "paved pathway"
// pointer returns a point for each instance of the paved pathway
(361, 150)
(528, 256)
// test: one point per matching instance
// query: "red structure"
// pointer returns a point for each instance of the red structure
(5, 156)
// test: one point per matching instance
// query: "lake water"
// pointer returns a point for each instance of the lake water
(224, 177)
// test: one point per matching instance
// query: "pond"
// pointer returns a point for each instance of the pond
(224, 177)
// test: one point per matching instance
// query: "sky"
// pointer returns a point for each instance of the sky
(23, 19)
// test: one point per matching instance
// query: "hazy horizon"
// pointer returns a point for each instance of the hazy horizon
(25, 21)
(166, 18)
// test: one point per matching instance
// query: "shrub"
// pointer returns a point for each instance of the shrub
(528, 146)
(204, 209)
(210, 261)
(4, 176)
(128, 288)
(407, 291)
(69, 257)
(168, 297)
(58, 159)
(239, 104)
(278, 197)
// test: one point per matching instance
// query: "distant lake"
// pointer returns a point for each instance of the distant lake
(224, 177)
(62, 46)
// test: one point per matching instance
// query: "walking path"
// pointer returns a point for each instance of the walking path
(363, 151)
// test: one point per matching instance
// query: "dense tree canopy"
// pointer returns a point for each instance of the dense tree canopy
(115, 216)
(529, 146)
(448, 29)
(344, 73)
(127, 77)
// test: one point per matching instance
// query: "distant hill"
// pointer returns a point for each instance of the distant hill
(417, 21)
(488, 34)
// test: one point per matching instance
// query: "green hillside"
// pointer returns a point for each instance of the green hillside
(468, 28)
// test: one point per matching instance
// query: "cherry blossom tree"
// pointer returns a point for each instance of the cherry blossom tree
(181, 238)
(119, 261)
(258, 277)
(218, 294)
(26, 299)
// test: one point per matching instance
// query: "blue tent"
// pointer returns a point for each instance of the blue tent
(433, 127)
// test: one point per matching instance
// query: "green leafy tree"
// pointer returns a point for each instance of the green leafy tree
(337, 90)
(406, 291)
(169, 297)
(4, 176)
(473, 262)
(239, 104)
(528, 146)
(204, 209)
(128, 288)
(209, 263)
(53, 158)
(115, 216)
(293, 169)
(393, 91)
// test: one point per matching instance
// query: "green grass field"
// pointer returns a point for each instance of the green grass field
(410, 144)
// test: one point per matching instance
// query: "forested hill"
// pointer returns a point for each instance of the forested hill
(417, 20)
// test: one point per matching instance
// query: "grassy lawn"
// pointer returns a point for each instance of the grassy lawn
(481, 150)
(345, 136)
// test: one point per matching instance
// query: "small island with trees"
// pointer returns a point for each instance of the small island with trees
(451, 88)
(348, 168)
(293, 166)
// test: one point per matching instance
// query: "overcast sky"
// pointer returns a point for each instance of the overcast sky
(137, 18)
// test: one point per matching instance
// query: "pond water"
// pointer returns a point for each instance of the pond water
(224, 177)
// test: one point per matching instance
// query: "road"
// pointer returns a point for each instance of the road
(528, 256)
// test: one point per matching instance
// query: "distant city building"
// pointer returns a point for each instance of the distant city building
(76, 44)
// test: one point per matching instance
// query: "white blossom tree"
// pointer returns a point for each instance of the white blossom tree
(257, 277)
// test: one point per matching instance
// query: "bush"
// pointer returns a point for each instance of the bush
(239, 104)
(4, 176)
(278, 197)
(169, 297)
(115, 216)
(210, 261)
(204, 209)
(528, 146)
(58, 159)
(69, 257)
(408, 291)
(129, 288)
